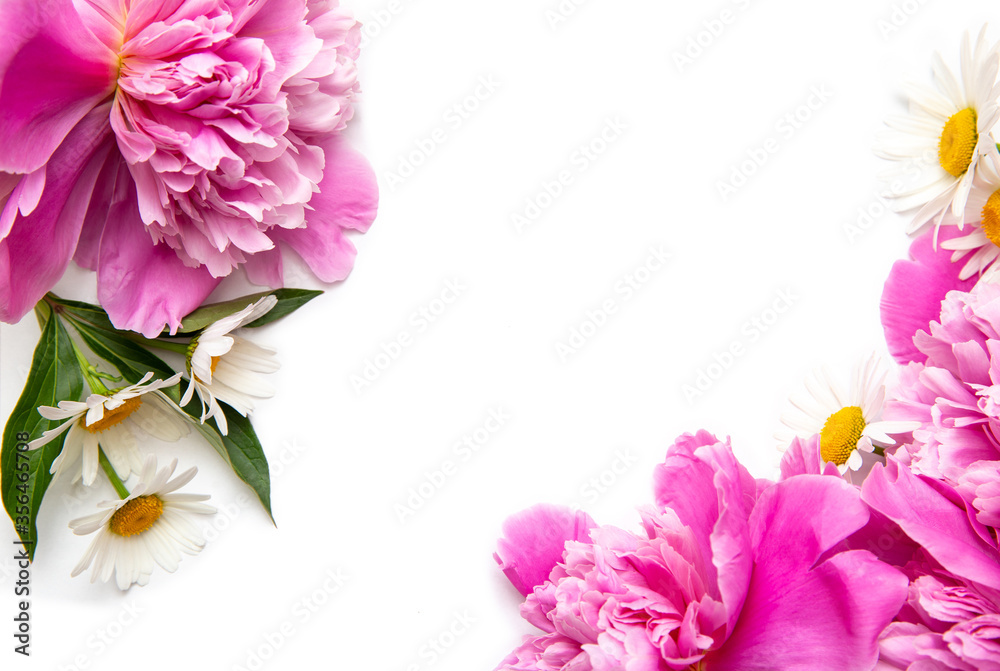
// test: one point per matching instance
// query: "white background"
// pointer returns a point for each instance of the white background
(343, 461)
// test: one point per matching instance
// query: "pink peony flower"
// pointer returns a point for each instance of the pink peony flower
(166, 142)
(723, 577)
(533, 543)
(911, 298)
(955, 396)
(951, 619)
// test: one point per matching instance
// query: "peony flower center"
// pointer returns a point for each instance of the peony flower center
(991, 218)
(115, 416)
(840, 434)
(136, 516)
(958, 142)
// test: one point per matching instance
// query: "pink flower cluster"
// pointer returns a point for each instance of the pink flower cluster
(728, 573)
(164, 143)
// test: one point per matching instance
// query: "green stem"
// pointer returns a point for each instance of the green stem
(109, 471)
(90, 373)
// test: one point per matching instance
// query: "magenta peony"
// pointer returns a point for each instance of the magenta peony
(911, 298)
(727, 574)
(951, 619)
(164, 143)
(955, 396)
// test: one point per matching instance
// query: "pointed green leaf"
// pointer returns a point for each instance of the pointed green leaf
(55, 376)
(213, 312)
(242, 450)
(289, 300)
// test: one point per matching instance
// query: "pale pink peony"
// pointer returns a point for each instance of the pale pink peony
(955, 396)
(728, 573)
(166, 142)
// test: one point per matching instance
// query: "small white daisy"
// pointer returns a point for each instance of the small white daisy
(982, 244)
(954, 124)
(110, 423)
(225, 367)
(152, 525)
(848, 423)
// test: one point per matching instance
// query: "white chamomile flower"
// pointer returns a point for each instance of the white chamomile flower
(225, 367)
(982, 244)
(849, 424)
(944, 140)
(110, 423)
(153, 525)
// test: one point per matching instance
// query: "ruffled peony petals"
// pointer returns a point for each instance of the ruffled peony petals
(38, 248)
(348, 198)
(803, 612)
(933, 521)
(534, 540)
(911, 298)
(712, 494)
(53, 72)
(144, 287)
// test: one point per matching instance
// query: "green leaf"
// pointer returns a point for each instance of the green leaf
(132, 360)
(289, 300)
(242, 450)
(94, 315)
(55, 376)
(213, 312)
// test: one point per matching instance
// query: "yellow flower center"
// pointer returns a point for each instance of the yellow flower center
(840, 434)
(113, 417)
(991, 218)
(136, 516)
(215, 362)
(958, 142)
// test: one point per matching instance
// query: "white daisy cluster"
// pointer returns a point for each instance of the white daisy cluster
(945, 151)
(152, 523)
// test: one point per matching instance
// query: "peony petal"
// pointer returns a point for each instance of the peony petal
(144, 287)
(53, 72)
(533, 542)
(934, 521)
(39, 247)
(803, 456)
(911, 298)
(348, 198)
(712, 494)
(804, 612)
